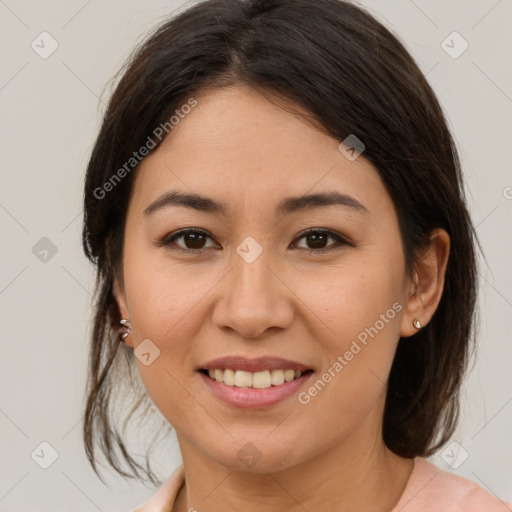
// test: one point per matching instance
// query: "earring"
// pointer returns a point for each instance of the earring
(417, 324)
(124, 323)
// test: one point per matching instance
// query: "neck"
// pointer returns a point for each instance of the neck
(350, 476)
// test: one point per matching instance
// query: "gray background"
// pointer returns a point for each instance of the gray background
(50, 114)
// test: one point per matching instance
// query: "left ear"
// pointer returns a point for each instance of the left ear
(427, 286)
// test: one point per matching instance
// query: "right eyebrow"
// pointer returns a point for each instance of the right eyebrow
(195, 201)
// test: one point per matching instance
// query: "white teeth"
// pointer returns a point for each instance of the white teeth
(243, 379)
(276, 377)
(259, 380)
(289, 375)
(228, 377)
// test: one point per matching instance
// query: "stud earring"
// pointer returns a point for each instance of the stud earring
(124, 323)
(417, 324)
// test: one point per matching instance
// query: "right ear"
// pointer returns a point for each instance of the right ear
(120, 297)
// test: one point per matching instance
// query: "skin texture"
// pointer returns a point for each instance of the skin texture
(238, 147)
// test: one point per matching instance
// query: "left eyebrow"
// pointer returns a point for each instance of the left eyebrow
(285, 207)
(312, 201)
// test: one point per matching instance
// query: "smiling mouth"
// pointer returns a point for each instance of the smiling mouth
(255, 380)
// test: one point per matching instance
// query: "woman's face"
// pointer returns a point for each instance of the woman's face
(255, 284)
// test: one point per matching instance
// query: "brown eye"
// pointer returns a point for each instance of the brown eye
(317, 239)
(192, 240)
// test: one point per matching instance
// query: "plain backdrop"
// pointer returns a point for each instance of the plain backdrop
(51, 109)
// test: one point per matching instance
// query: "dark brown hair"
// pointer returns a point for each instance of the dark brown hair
(352, 76)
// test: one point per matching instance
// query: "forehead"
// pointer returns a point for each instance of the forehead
(244, 147)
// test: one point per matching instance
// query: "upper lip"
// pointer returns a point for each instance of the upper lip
(254, 365)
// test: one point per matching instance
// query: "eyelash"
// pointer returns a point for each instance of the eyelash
(168, 240)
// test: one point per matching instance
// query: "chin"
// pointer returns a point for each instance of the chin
(257, 456)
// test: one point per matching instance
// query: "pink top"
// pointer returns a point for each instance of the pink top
(429, 489)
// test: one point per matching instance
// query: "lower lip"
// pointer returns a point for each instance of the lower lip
(253, 398)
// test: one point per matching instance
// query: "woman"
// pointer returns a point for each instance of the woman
(275, 209)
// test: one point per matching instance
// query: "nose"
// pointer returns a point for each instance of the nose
(253, 299)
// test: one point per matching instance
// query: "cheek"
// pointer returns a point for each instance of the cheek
(351, 384)
(347, 299)
(164, 296)
(358, 312)
(168, 304)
